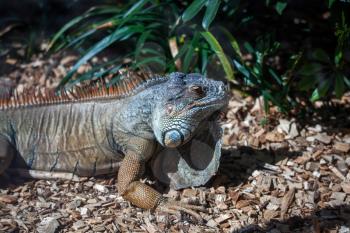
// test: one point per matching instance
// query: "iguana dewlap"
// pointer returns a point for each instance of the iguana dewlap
(103, 130)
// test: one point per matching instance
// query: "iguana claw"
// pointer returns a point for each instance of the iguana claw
(176, 207)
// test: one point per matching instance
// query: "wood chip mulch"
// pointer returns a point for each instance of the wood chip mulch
(278, 174)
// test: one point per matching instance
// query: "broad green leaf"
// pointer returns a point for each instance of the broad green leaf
(330, 3)
(320, 55)
(310, 69)
(210, 13)
(216, 47)
(280, 6)
(193, 9)
(249, 47)
(339, 85)
(306, 83)
(320, 91)
(117, 35)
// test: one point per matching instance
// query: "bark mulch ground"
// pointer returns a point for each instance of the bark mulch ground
(278, 174)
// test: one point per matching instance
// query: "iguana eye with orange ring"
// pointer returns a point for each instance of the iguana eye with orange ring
(198, 90)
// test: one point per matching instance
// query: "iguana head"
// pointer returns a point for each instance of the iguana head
(187, 99)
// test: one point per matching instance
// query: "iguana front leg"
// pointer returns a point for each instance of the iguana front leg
(143, 195)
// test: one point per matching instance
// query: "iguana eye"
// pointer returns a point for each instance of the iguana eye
(198, 90)
(169, 109)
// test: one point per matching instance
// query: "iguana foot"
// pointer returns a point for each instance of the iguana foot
(176, 207)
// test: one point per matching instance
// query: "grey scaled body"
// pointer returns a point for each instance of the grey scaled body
(94, 135)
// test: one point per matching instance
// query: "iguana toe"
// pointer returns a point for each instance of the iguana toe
(175, 207)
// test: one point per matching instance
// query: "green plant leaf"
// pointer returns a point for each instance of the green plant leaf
(310, 69)
(136, 7)
(306, 83)
(330, 3)
(280, 6)
(190, 53)
(216, 47)
(204, 60)
(320, 55)
(141, 41)
(193, 10)
(339, 85)
(210, 13)
(242, 69)
(117, 35)
(320, 91)
(233, 42)
(347, 81)
(338, 56)
(92, 12)
(276, 76)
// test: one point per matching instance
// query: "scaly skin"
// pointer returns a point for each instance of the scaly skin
(106, 135)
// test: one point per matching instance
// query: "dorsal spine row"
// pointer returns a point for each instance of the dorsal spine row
(131, 83)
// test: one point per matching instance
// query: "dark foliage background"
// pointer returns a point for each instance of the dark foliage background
(290, 52)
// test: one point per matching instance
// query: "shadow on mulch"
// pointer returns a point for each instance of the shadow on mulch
(332, 117)
(238, 164)
(322, 220)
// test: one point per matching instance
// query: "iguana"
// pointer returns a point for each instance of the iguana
(103, 130)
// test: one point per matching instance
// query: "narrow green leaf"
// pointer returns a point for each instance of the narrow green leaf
(80, 38)
(117, 35)
(216, 47)
(338, 57)
(276, 76)
(339, 85)
(159, 60)
(280, 6)
(141, 41)
(233, 42)
(190, 53)
(242, 69)
(136, 7)
(347, 81)
(193, 10)
(204, 60)
(65, 28)
(210, 13)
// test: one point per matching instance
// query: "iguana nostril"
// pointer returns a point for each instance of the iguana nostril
(173, 138)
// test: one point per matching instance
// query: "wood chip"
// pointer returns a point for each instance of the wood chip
(337, 172)
(346, 187)
(343, 147)
(286, 202)
(8, 199)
